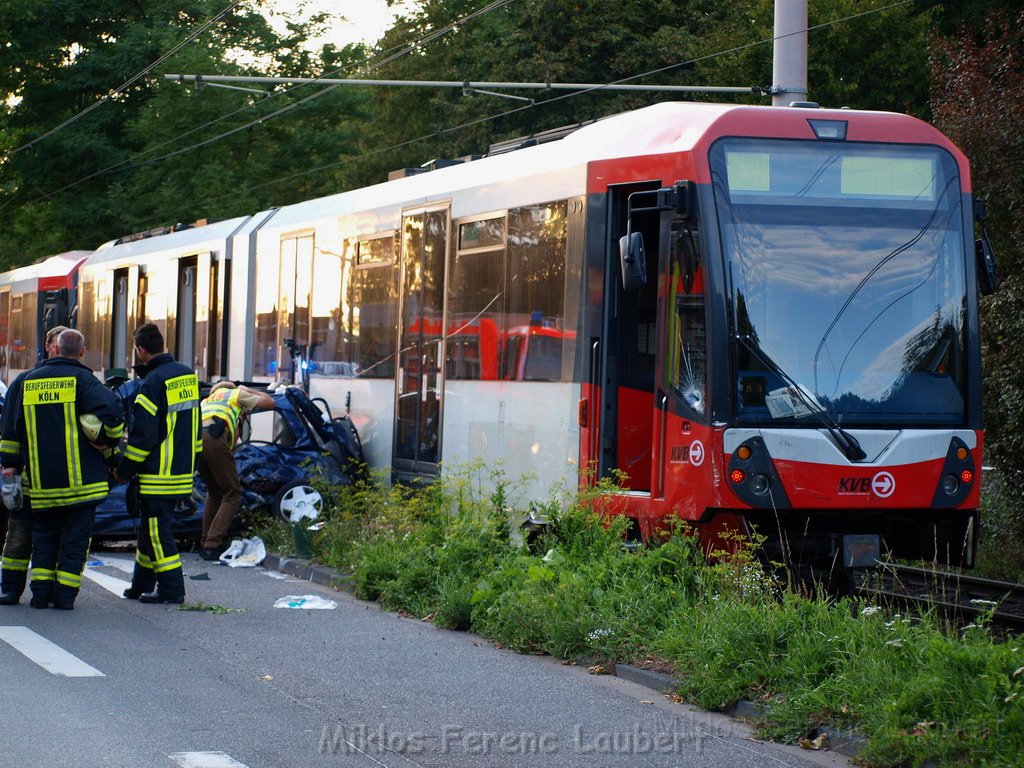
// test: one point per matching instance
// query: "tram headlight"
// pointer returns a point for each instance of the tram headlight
(759, 484)
(950, 484)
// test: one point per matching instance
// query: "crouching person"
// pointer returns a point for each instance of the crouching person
(165, 436)
(64, 470)
(223, 412)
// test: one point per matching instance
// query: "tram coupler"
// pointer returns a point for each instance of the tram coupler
(861, 550)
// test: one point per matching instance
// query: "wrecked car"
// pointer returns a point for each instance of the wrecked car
(303, 442)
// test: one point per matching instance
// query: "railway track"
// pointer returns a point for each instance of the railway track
(958, 596)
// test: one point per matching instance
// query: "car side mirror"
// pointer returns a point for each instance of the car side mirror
(633, 260)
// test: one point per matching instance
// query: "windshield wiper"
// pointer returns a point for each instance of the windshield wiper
(846, 442)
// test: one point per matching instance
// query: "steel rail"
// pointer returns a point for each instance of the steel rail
(953, 593)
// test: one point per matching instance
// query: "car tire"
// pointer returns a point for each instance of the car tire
(296, 501)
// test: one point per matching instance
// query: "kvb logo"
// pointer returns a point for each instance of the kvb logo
(692, 453)
(883, 485)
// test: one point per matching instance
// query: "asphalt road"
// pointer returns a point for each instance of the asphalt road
(117, 683)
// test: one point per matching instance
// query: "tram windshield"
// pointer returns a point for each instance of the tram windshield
(848, 270)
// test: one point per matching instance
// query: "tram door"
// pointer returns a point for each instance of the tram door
(119, 321)
(186, 314)
(630, 398)
(420, 375)
(124, 310)
(5, 334)
(193, 326)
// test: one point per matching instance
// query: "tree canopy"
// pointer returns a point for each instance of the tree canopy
(153, 153)
(977, 79)
(122, 157)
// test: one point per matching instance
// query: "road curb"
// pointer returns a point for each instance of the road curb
(656, 681)
(307, 571)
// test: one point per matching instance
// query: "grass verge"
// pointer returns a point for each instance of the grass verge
(916, 691)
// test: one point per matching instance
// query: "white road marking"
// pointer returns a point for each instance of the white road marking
(110, 583)
(128, 566)
(50, 657)
(205, 760)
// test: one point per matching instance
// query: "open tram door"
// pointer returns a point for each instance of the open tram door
(653, 367)
(419, 385)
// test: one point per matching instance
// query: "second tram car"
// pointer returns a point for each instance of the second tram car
(758, 317)
(34, 299)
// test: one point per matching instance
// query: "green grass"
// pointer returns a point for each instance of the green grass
(918, 692)
(208, 608)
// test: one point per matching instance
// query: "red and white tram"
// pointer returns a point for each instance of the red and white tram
(759, 316)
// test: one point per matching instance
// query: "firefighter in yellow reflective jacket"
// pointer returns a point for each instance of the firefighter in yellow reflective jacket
(18, 545)
(64, 471)
(160, 456)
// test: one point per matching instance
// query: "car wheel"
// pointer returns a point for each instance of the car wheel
(297, 501)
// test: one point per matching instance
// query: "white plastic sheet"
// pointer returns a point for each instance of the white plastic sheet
(245, 553)
(305, 601)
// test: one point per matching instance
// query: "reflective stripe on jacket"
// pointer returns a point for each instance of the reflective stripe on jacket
(224, 405)
(166, 430)
(41, 435)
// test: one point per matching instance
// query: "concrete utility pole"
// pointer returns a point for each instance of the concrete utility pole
(789, 61)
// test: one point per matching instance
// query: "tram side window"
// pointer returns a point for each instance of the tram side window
(23, 331)
(372, 318)
(687, 326)
(5, 331)
(140, 310)
(294, 284)
(476, 301)
(537, 241)
(161, 296)
(328, 350)
(87, 323)
(264, 353)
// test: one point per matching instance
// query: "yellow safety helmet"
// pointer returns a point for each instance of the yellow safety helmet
(91, 426)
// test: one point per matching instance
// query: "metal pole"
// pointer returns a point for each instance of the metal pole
(789, 62)
(466, 84)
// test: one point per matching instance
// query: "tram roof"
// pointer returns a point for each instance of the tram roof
(23, 278)
(193, 238)
(63, 263)
(662, 128)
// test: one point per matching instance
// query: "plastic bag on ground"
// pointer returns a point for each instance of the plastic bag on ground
(305, 601)
(245, 553)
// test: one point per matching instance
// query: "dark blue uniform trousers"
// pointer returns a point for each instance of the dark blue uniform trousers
(60, 545)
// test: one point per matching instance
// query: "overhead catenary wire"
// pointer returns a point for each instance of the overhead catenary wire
(596, 87)
(544, 102)
(401, 52)
(122, 166)
(134, 78)
(391, 54)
